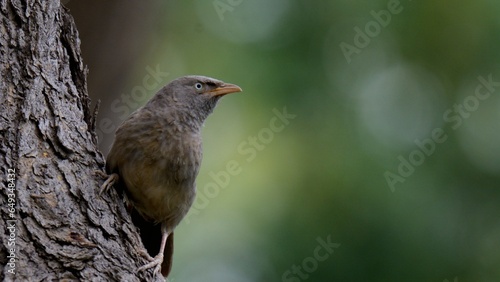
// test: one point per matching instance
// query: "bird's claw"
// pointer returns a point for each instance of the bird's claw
(155, 262)
(145, 254)
(111, 179)
(101, 173)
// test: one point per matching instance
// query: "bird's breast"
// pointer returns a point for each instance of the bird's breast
(166, 188)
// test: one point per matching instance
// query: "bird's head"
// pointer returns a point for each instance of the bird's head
(194, 94)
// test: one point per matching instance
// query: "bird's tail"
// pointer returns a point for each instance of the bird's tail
(166, 265)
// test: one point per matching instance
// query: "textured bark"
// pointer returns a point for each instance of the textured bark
(60, 226)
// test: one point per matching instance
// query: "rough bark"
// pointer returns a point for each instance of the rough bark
(54, 222)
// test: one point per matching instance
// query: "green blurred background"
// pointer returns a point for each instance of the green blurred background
(356, 169)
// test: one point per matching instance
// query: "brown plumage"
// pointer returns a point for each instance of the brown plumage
(156, 156)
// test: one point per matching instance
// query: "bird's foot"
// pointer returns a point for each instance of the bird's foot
(155, 262)
(110, 180)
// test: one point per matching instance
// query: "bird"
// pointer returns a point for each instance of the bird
(155, 159)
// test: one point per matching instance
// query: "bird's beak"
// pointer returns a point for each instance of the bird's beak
(224, 89)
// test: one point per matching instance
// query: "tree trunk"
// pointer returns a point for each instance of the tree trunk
(56, 225)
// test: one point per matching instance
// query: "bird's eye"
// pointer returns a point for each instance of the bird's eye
(198, 86)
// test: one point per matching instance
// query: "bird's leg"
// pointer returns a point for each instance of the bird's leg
(158, 259)
(111, 179)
